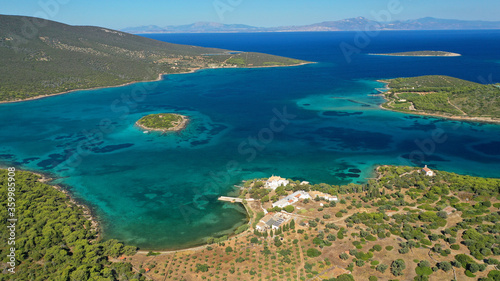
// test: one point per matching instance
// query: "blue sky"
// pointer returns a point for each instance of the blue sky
(125, 13)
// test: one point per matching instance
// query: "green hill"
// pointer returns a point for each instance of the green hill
(429, 81)
(45, 57)
(444, 95)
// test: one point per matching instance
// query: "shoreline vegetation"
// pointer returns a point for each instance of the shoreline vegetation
(419, 54)
(440, 224)
(56, 237)
(444, 97)
(87, 211)
(160, 77)
(163, 122)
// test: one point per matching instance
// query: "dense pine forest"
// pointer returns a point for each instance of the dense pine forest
(55, 239)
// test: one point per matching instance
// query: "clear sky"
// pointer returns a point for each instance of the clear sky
(263, 13)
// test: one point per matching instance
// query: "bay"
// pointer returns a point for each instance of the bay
(319, 122)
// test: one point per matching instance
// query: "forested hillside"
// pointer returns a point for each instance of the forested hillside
(40, 57)
(54, 239)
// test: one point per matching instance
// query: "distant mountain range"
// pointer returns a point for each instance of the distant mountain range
(352, 24)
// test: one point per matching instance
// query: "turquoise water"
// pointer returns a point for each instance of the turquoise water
(318, 122)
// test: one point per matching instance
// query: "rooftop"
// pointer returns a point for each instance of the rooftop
(427, 169)
(270, 222)
(275, 178)
(320, 194)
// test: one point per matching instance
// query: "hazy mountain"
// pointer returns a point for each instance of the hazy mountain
(199, 27)
(144, 29)
(352, 24)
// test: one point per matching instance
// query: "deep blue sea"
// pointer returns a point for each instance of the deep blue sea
(319, 122)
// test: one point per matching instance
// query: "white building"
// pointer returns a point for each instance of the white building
(261, 226)
(275, 222)
(284, 202)
(301, 194)
(292, 199)
(325, 196)
(428, 172)
(275, 181)
(272, 221)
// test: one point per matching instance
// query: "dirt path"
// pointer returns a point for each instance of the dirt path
(456, 107)
(168, 267)
(412, 106)
(174, 252)
(302, 261)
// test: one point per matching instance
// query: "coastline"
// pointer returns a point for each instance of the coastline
(451, 117)
(87, 212)
(230, 236)
(95, 223)
(160, 76)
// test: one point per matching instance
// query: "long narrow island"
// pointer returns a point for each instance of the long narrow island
(444, 96)
(163, 122)
(421, 54)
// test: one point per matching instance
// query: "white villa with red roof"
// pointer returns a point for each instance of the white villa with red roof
(428, 172)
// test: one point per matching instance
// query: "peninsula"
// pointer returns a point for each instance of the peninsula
(59, 58)
(444, 96)
(163, 122)
(421, 54)
(406, 222)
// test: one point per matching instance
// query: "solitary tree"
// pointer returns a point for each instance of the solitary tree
(289, 209)
(473, 267)
(382, 267)
(445, 266)
(397, 267)
(344, 256)
(201, 267)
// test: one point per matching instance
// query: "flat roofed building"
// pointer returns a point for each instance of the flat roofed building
(275, 181)
(291, 199)
(325, 196)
